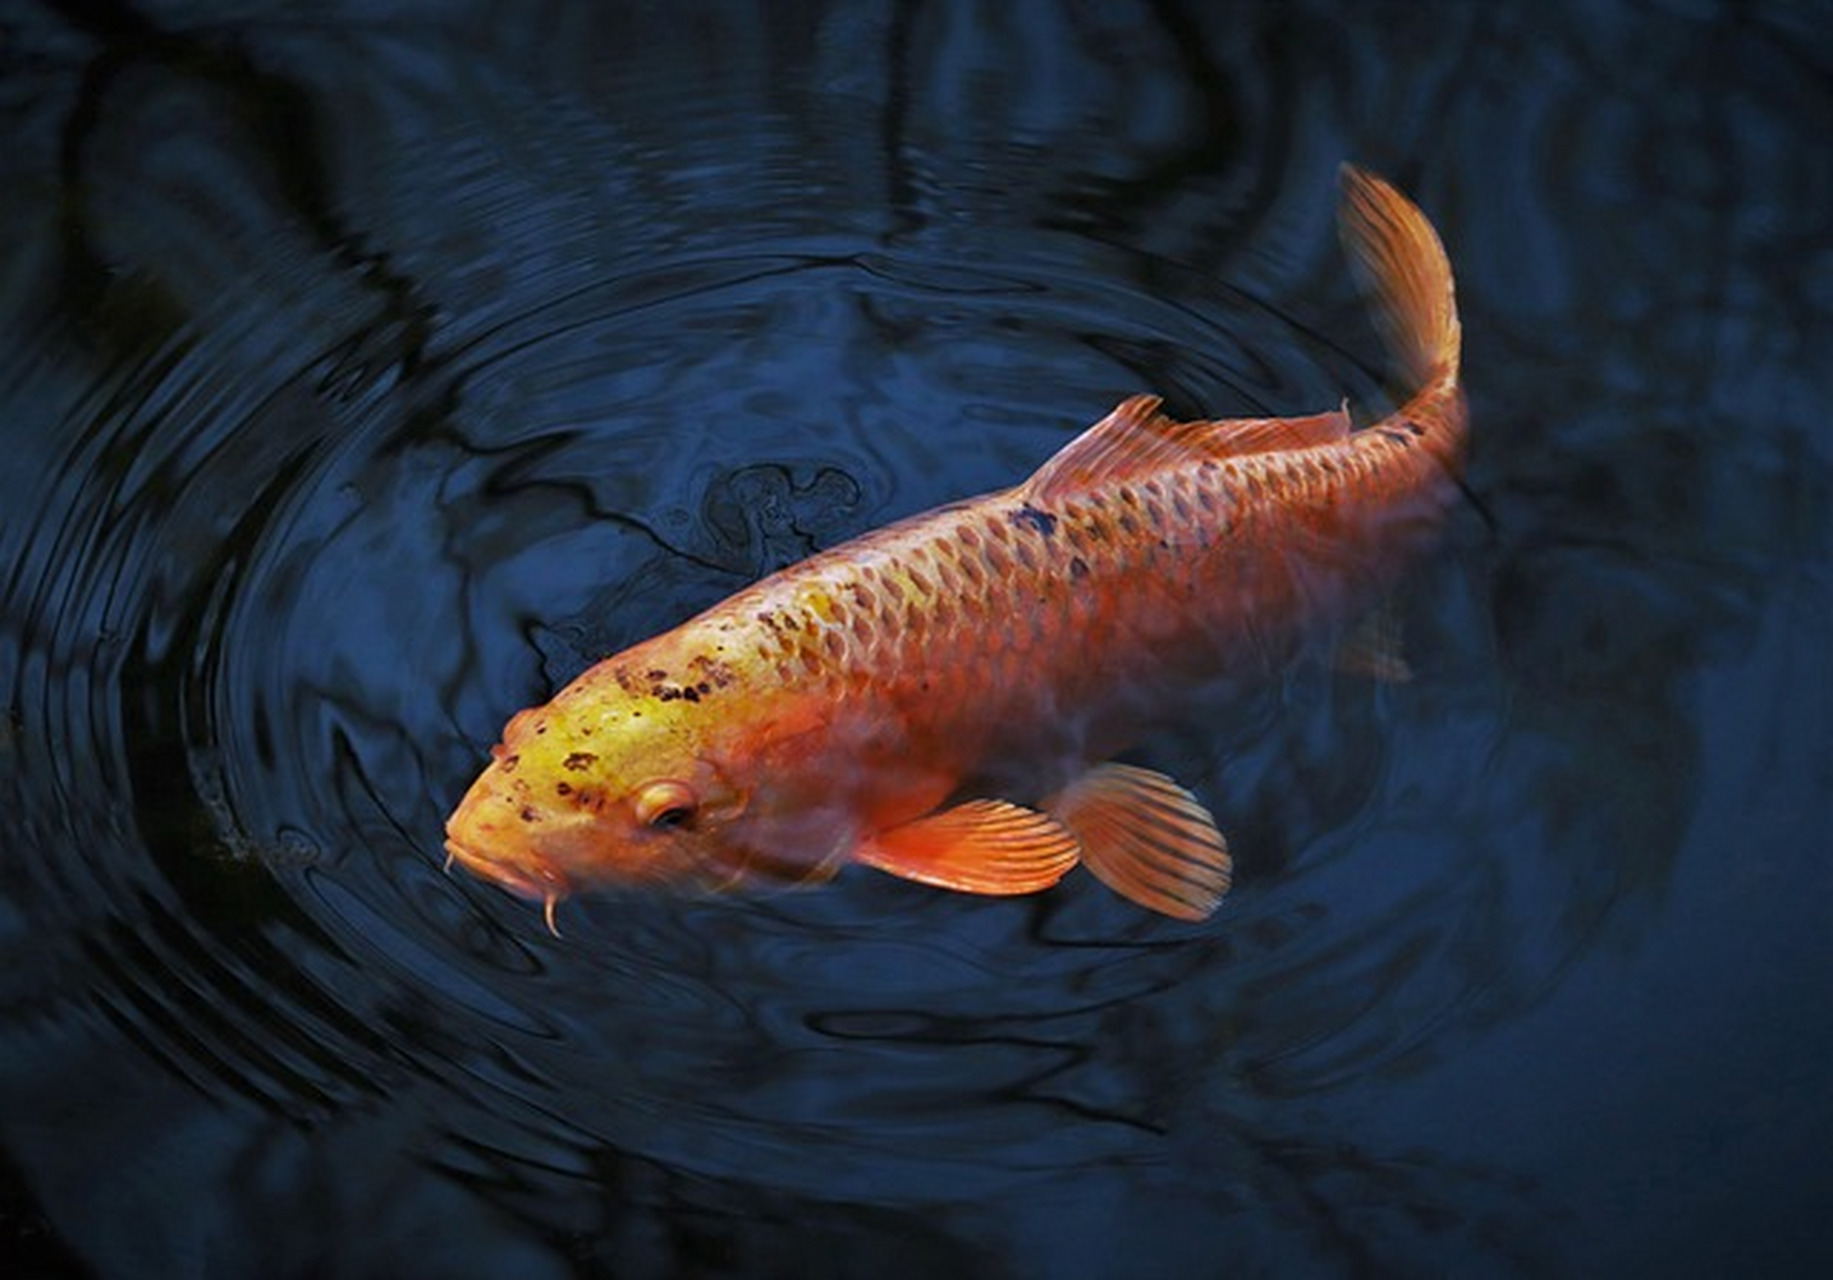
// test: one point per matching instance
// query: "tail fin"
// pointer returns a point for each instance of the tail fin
(1407, 275)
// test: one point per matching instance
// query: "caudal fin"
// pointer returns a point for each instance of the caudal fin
(1407, 275)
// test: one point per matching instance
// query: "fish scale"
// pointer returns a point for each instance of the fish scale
(940, 698)
(1140, 576)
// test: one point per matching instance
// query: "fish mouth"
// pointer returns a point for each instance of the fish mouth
(504, 876)
(543, 884)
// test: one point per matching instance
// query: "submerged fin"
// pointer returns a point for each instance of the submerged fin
(982, 846)
(1136, 440)
(1147, 838)
(1372, 648)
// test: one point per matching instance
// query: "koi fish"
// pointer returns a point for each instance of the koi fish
(942, 698)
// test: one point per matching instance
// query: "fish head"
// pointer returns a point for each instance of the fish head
(601, 787)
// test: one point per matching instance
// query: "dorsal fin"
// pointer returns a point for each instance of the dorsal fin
(1136, 440)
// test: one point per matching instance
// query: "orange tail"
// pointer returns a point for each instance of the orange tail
(1408, 278)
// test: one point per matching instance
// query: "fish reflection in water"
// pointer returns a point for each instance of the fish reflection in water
(882, 702)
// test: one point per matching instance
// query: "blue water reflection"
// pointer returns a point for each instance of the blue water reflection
(367, 373)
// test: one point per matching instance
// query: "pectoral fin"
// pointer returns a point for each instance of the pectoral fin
(1147, 838)
(982, 846)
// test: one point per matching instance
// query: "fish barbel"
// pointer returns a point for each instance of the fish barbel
(942, 698)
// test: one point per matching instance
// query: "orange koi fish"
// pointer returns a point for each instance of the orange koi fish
(941, 699)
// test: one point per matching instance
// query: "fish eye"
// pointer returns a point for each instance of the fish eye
(666, 805)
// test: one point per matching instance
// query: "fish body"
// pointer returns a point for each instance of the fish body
(941, 698)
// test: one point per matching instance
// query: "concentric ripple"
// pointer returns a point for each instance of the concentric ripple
(365, 382)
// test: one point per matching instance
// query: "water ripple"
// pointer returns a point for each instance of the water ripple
(368, 379)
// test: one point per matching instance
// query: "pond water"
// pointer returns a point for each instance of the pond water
(369, 370)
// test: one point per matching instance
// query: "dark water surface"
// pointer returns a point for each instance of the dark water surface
(369, 369)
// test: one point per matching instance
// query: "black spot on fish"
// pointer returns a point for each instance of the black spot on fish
(1042, 521)
(579, 760)
(562, 789)
(1078, 567)
(658, 675)
(528, 813)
